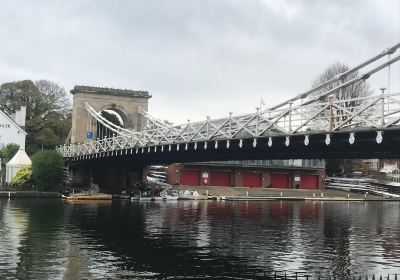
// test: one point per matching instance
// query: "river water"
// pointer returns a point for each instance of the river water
(52, 239)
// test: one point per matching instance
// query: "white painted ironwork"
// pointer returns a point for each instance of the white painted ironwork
(269, 123)
(298, 116)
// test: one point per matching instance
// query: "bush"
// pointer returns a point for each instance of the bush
(23, 176)
(47, 170)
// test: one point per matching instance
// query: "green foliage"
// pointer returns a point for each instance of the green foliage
(19, 93)
(47, 169)
(48, 113)
(47, 137)
(23, 176)
(8, 152)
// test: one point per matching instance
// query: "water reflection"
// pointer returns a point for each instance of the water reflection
(58, 240)
(13, 226)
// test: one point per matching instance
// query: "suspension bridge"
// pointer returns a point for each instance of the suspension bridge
(319, 123)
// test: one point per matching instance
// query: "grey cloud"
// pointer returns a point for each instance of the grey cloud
(197, 58)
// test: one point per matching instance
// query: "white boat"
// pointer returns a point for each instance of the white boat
(169, 195)
(164, 195)
(189, 195)
(146, 198)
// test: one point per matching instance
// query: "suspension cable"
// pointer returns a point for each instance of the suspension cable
(340, 76)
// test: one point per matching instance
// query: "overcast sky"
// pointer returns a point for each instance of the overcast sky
(197, 58)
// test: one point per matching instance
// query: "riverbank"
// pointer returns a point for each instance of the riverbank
(235, 193)
(29, 194)
(243, 194)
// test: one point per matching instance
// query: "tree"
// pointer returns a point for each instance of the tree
(56, 97)
(47, 169)
(47, 108)
(39, 97)
(358, 89)
(8, 152)
(23, 176)
(355, 90)
(22, 93)
(47, 137)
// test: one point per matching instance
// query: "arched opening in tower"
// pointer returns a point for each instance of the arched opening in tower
(112, 116)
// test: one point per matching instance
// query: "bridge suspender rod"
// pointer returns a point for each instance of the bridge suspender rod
(340, 76)
(156, 122)
(113, 127)
(103, 120)
(388, 51)
(380, 67)
(109, 127)
(107, 124)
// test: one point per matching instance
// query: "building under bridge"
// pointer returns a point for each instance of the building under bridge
(304, 174)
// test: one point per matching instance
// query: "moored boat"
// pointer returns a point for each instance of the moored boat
(146, 198)
(169, 195)
(97, 196)
(163, 195)
(188, 195)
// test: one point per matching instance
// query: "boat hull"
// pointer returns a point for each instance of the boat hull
(90, 197)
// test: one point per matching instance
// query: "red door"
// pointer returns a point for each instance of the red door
(220, 178)
(309, 181)
(252, 179)
(190, 177)
(279, 180)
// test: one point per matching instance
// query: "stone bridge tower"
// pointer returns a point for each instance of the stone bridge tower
(125, 103)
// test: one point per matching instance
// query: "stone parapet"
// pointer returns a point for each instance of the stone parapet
(110, 91)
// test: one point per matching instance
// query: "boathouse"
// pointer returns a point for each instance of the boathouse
(292, 174)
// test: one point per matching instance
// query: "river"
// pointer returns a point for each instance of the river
(52, 239)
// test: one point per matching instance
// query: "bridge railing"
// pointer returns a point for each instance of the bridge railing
(328, 116)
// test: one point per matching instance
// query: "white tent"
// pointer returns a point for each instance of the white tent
(20, 159)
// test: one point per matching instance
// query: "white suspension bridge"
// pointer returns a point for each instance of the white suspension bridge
(315, 113)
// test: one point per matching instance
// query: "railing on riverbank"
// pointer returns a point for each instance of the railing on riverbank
(365, 185)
